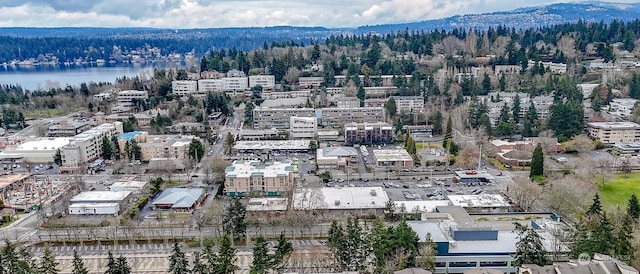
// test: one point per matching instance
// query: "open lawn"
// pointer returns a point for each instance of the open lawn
(617, 192)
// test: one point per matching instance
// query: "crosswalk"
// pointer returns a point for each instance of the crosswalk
(124, 248)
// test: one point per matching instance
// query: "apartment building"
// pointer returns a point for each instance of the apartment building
(622, 107)
(310, 82)
(126, 97)
(409, 104)
(278, 118)
(558, 68)
(184, 87)
(166, 146)
(236, 84)
(267, 82)
(303, 127)
(336, 117)
(379, 80)
(368, 133)
(243, 178)
(611, 133)
(507, 70)
(87, 146)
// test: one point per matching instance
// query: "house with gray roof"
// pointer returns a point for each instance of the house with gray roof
(179, 199)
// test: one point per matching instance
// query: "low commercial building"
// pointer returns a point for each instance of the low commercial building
(368, 133)
(396, 158)
(244, 178)
(328, 135)
(611, 133)
(423, 131)
(94, 209)
(184, 87)
(303, 127)
(484, 203)
(269, 204)
(258, 134)
(101, 197)
(472, 177)
(67, 128)
(599, 264)
(354, 200)
(336, 157)
(41, 150)
(272, 146)
(179, 199)
(133, 186)
(463, 244)
(621, 149)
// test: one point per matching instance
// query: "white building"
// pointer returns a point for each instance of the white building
(558, 68)
(360, 200)
(396, 158)
(210, 85)
(94, 209)
(98, 202)
(610, 133)
(102, 96)
(184, 87)
(303, 127)
(267, 82)
(35, 151)
(236, 84)
(126, 97)
(87, 146)
(132, 186)
(622, 107)
(408, 104)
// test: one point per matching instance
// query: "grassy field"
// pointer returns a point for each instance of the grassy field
(617, 192)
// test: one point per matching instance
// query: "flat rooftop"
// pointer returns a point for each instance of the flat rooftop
(267, 204)
(246, 169)
(272, 145)
(388, 155)
(463, 174)
(614, 125)
(100, 196)
(44, 144)
(484, 200)
(420, 206)
(340, 198)
(130, 184)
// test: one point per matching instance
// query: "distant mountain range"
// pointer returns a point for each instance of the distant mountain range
(519, 18)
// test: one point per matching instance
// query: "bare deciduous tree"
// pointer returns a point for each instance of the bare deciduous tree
(524, 192)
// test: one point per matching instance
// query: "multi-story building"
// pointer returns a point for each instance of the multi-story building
(368, 133)
(184, 87)
(126, 97)
(408, 104)
(611, 133)
(166, 146)
(622, 107)
(210, 85)
(67, 128)
(243, 178)
(87, 146)
(379, 80)
(336, 117)
(303, 127)
(310, 82)
(258, 134)
(278, 118)
(507, 70)
(559, 68)
(267, 82)
(236, 84)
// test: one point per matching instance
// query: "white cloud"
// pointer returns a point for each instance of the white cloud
(238, 13)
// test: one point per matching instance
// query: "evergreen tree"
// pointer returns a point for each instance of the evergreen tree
(112, 266)
(198, 266)
(211, 259)
(261, 259)
(530, 121)
(633, 207)
(349, 245)
(596, 207)
(196, 150)
(122, 265)
(623, 246)
(107, 149)
(486, 83)
(603, 236)
(448, 132)
(283, 249)
(516, 109)
(502, 83)
(178, 263)
(78, 264)
(391, 107)
(226, 257)
(537, 162)
(57, 158)
(361, 95)
(48, 264)
(234, 219)
(529, 248)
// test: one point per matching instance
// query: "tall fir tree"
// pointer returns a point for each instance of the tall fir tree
(122, 265)
(537, 162)
(178, 263)
(282, 252)
(633, 207)
(226, 257)
(529, 248)
(78, 264)
(261, 258)
(596, 207)
(48, 264)
(112, 266)
(198, 266)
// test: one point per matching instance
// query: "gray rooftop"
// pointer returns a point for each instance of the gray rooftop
(179, 197)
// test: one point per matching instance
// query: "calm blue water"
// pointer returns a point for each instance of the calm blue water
(40, 77)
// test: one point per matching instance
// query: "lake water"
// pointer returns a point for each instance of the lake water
(42, 77)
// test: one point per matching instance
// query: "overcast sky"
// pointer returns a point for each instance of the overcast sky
(240, 13)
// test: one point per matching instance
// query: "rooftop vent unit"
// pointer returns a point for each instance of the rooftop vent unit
(337, 202)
